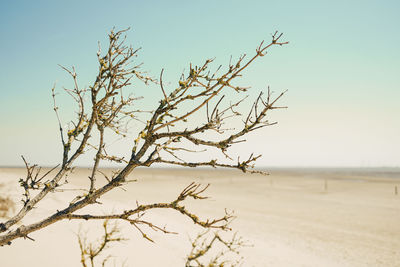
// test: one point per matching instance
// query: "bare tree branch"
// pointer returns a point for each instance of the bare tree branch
(91, 251)
(103, 110)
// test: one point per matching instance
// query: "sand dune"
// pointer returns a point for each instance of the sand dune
(292, 218)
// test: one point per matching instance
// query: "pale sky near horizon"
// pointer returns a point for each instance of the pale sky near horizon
(341, 69)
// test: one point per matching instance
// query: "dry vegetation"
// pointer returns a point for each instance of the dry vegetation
(212, 249)
(169, 134)
(92, 251)
(6, 205)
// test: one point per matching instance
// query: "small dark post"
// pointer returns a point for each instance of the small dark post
(326, 185)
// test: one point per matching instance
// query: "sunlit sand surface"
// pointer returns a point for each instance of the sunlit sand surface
(293, 217)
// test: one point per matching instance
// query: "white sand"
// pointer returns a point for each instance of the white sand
(289, 217)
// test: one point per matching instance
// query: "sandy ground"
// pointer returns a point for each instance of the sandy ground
(291, 218)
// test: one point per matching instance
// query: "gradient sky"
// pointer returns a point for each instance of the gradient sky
(342, 70)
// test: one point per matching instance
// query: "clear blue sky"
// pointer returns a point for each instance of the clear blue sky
(341, 69)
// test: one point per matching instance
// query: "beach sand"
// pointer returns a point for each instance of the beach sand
(293, 217)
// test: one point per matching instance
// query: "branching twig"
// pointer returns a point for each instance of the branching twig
(91, 251)
(104, 109)
(204, 253)
(191, 191)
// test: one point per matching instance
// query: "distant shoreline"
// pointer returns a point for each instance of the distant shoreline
(335, 172)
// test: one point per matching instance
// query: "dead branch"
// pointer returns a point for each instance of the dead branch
(105, 107)
(135, 216)
(204, 252)
(90, 251)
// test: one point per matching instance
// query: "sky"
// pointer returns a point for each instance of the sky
(341, 69)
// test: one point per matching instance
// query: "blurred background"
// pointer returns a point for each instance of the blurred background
(341, 70)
